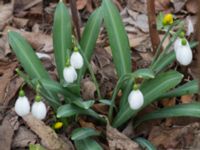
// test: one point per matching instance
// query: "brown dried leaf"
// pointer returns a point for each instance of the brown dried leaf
(48, 137)
(88, 89)
(173, 138)
(5, 14)
(179, 4)
(119, 141)
(23, 138)
(186, 99)
(7, 128)
(81, 4)
(192, 6)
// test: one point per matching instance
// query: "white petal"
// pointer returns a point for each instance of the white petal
(39, 110)
(22, 106)
(184, 55)
(69, 74)
(135, 99)
(190, 28)
(76, 60)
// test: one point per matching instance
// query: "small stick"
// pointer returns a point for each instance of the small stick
(155, 40)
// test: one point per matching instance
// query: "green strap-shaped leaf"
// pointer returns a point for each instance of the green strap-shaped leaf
(82, 133)
(181, 110)
(190, 87)
(27, 57)
(147, 145)
(87, 144)
(89, 37)
(62, 37)
(117, 37)
(69, 110)
(30, 62)
(151, 89)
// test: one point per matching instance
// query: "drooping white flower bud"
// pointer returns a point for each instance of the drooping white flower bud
(135, 99)
(183, 52)
(39, 110)
(69, 74)
(184, 55)
(76, 60)
(22, 105)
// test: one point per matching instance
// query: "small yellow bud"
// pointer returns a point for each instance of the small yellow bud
(58, 125)
(168, 19)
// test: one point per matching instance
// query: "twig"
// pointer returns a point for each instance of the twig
(196, 64)
(75, 18)
(155, 40)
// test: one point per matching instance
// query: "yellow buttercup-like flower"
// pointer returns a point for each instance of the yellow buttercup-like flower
(58, 125)
(168, 19)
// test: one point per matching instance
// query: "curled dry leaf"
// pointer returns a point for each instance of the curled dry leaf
(48, 136)
(88, 89)
(5, 14)
(174, 138)
(23, 138)
(192, 6)
(119, 141)
(7, 128)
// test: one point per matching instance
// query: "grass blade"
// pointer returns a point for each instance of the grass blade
(181, 110)
(117, 37)
(89, 37)
(62, 37)
(151, 89)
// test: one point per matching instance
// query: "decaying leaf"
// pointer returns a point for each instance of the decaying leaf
(23, 138)
(5, 14)
(118, 141)
(88, 89)
(47, 135)
(7, 128)
(192, 6)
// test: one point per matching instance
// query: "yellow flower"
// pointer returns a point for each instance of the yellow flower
(58, 125)
(168, 19)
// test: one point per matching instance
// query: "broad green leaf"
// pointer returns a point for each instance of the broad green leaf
(89, 37)
(27, 57)
(69, 110)
(36, 147)
(190, 87)
(117, 37)
(152, 90)
(105, 101)
(164, 62)
(181, 110)
(62, 37)
(83, 133)
(87, 144)
(30, 62)
(145, 144)
(83, 104)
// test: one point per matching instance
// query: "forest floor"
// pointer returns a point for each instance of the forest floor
(34, 19)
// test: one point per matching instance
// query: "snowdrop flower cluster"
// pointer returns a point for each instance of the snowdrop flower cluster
(75, 62)
(22, 106)
(183, 51)
(135, 98)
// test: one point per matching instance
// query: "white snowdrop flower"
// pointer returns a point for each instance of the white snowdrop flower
(76, 60)
(184, 55)
(39, 110)
(69, 74)
(135, 99)
(190, 27)
(22, 105)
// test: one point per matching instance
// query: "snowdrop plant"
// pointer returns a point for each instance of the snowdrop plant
(158, 81)
(22, 105)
